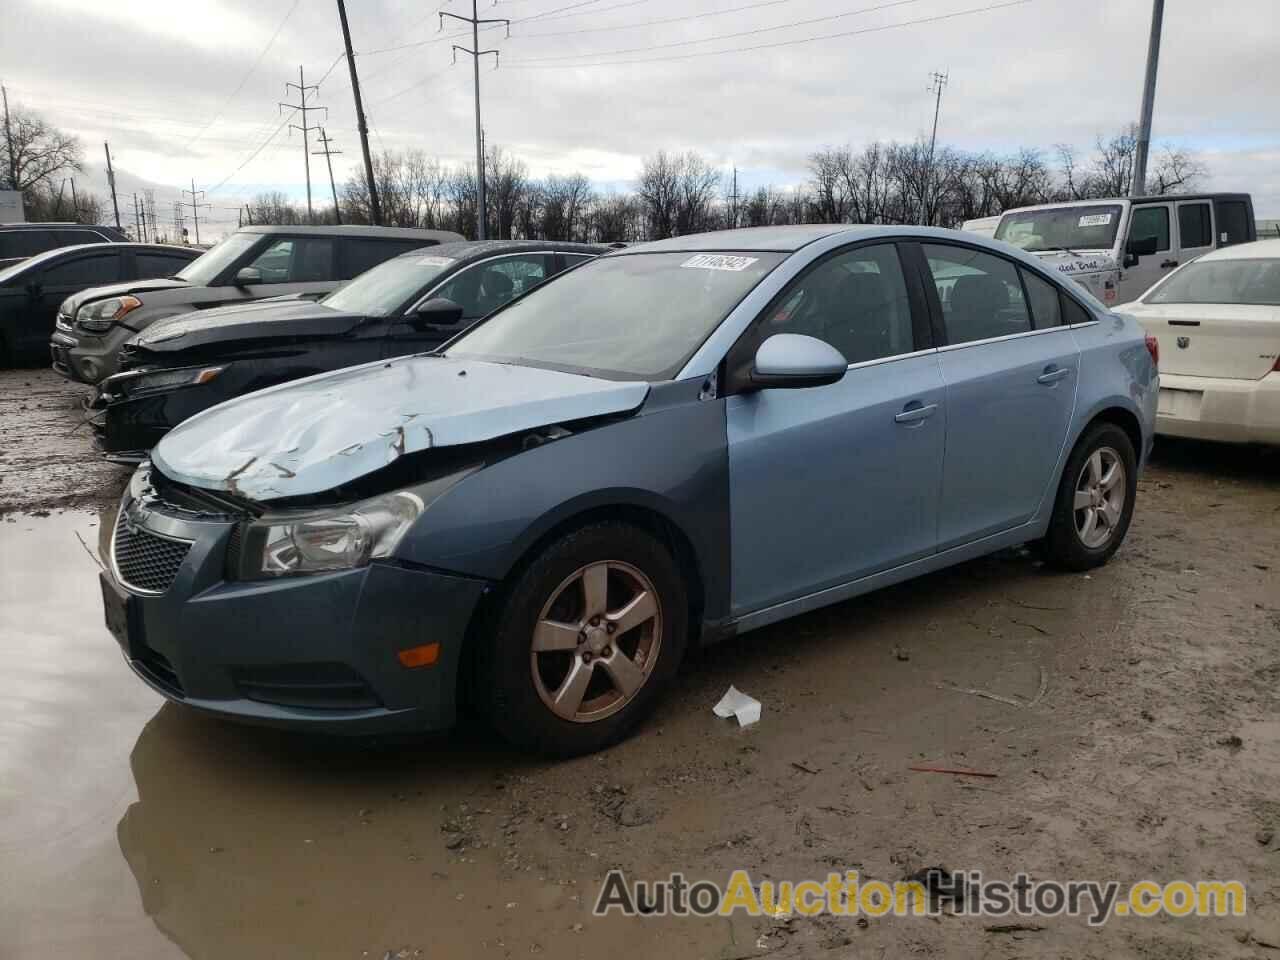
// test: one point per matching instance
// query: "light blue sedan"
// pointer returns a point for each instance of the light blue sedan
(670, 445)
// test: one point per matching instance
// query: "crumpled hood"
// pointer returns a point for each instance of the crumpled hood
(261, 319)
(1077, 264)
(315, 434)
(78, 300)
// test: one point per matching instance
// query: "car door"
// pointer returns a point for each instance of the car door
(829, 484)
(1010, 388)
(1147, 221)
(58, 281)
(479, 289)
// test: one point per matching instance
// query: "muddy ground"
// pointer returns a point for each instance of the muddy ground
(131, 828)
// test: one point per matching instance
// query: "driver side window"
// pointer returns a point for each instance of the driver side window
(856, 301)
(482, 289)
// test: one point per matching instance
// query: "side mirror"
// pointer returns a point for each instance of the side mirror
(247, 276)
(794, 360)
(437, 312)
(1130, 260)
(1141, 248)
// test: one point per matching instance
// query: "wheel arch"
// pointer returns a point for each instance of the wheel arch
(634, 507)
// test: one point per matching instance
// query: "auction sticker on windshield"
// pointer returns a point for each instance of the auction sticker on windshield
(719, 261)
(1094, 220)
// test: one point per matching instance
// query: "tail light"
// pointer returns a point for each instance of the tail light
(1153, 348)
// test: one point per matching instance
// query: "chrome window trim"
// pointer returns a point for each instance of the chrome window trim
(1081, 326)
(861, 364)
(1002, 339)
(115, 567)
(500, 256)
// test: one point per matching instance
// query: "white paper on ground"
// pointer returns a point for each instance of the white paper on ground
(735, 703)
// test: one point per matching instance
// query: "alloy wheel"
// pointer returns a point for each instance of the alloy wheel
(596, 641)
(1099, 497)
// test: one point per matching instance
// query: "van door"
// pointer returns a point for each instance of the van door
(1195, 229)
(1147, 222)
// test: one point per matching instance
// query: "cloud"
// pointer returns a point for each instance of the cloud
(1034, 74)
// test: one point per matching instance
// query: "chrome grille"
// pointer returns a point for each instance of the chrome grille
(144, 561)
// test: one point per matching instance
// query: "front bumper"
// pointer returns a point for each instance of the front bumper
(316, 652)
(1217, 408)
(84, 358)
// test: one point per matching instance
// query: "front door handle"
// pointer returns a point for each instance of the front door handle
(1053, 375)
(1168, 263)
(915, 412)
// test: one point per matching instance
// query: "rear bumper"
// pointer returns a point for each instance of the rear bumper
(1216, 408)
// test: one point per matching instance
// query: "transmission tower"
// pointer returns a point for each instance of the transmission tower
(302, 88)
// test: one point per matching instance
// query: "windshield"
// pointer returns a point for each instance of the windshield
(1222, 281)
(1061, 228)
(204, 269)
(388, 286)
(630, 317)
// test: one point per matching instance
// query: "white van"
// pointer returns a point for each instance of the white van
(1117, 248)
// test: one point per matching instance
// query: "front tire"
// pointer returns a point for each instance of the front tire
(587, 639)
(1094, 505)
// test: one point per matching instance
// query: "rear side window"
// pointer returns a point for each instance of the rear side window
(1072, 312)
(84, 271)
(362, 254)
(1045, 310)
(67, 238)
(1194, 228)
(1233, 222)
(1150, 222)
(980, 294)
(26, 243)
(151, 265)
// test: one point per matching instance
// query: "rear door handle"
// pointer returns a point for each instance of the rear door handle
(1168, 263)
(915, 411)
(1053, 375)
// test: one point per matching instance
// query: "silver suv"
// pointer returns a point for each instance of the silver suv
(251, 264)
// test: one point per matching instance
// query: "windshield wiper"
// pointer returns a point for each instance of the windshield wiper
(1066, 250)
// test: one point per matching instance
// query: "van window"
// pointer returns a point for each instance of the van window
(296, 260)
(1194, 228)
(1233, 222)
(362, 254)
(25, 243)
(1150, 222)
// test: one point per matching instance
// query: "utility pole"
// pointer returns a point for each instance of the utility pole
(733, 201)
(195, 204)
(301, 105)
(476, 53)
(137, 225)
(1139, 185)
(111, 182)
(328, 153)
(375, 207)
(75, 203)
(8, 141)
(939, 82)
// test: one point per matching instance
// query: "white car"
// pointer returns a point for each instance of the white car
(1218, 323)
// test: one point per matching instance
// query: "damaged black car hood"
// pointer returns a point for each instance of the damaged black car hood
(285, 318)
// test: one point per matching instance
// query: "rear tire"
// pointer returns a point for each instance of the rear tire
(1094, 505)
(585, 641)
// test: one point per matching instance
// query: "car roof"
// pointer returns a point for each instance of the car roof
(55, 224)
(470, 250)
(1254, 250)
(356, 230)
(791, 239)
(1096, 201)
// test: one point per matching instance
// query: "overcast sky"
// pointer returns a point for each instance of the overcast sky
(189, 90)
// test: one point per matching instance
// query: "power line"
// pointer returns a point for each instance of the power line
(651, 23)
(524, 65)
(252, 156)
(726, 36)
(247, 75)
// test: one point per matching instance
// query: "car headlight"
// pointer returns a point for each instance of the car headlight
(130, 383)
(98, 317)
(337, 540)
